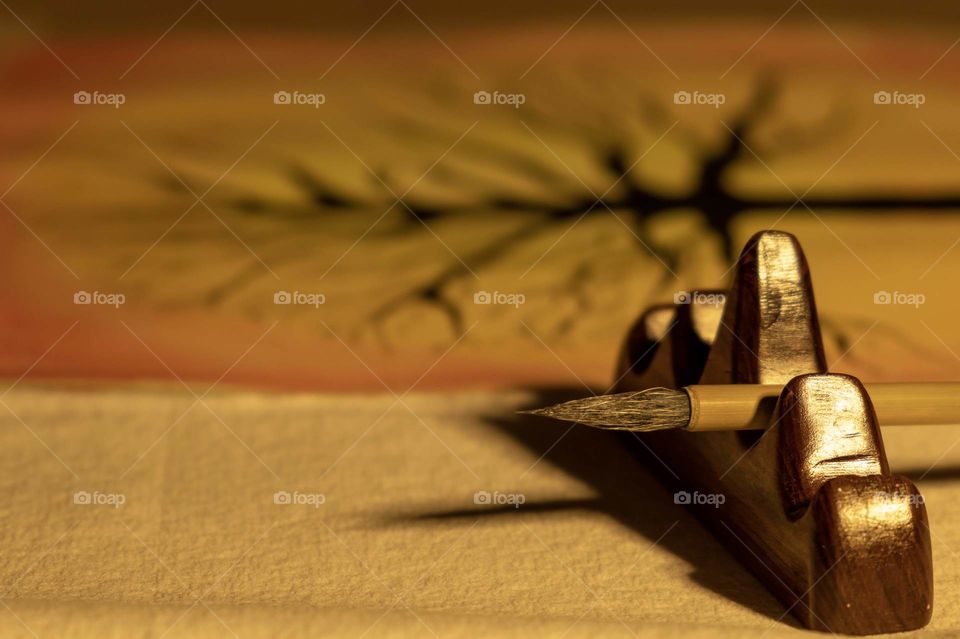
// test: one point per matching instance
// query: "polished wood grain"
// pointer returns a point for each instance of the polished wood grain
(809, 504)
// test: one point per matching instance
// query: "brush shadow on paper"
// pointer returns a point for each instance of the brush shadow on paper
(626, 490)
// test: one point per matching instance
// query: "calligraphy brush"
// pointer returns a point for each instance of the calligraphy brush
(707, 407)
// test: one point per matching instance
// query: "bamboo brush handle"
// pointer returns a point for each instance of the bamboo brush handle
(750, 406)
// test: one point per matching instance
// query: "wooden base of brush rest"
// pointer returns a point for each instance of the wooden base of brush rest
(809, 505)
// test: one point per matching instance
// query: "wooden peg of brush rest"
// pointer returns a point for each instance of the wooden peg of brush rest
(810, 506)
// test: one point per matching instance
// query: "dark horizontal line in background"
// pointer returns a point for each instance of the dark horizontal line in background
(56, 17)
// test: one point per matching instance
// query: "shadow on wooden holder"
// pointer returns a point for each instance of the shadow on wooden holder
(809, 505)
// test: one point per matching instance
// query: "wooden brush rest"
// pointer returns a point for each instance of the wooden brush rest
(810, 506)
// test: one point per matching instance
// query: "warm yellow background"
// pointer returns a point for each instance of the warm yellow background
(400, 548)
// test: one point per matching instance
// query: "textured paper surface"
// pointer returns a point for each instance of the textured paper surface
(398, 548)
